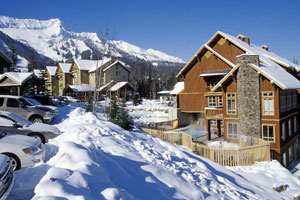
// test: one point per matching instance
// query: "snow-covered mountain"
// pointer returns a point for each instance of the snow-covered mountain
(50, 39)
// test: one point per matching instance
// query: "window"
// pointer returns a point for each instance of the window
(117, 67)
(232, 130)
(221, 122)
(283, 131)
(1, 101)
(268, 103)
(220, 101)
(282, 101)
(294, 100)
(212, 101)
(295, 123)
(118, 73)
(231, 104)
(5, 69)
(290, 127)
(290, 153)
(268, 133)
(12, 103)
(289, 101)
(213, 122)
(124, 78)
(284, 159)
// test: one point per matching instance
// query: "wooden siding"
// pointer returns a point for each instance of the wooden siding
(226, 48)
(193, 99)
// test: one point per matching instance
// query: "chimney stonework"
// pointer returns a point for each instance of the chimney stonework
(248, 96)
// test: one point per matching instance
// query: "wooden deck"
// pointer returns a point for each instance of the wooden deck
(251, 150)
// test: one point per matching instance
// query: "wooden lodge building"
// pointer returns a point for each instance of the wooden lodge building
(235, 88)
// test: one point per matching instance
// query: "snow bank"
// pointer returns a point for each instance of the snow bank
(95, 159)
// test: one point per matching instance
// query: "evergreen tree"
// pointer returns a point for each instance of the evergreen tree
(122, 118)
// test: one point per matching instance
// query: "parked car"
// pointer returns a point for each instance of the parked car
(71, 99)
(61, 99)
(24, 151)
(18, 106)
(43, 99)
(33, 102)
(11, 123)
(7, 177)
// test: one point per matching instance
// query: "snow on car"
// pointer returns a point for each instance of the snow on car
(24, 151)
(12, 123)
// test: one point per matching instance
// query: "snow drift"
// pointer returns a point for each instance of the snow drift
(95, 159)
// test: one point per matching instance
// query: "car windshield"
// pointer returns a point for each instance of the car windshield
(25, 102)
(2, 134)
(33, 101)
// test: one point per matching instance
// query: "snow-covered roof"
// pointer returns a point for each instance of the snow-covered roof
(90, 65)
(38, 73)
(86, 64)
(99, 63)
(178, 87)
(275, 74)
(106, 85)
(214, 73)
(164, 92)
(269, 62)
(18, 77)
(51, 70)
(119, 85)
(82, 88)
(65, 67)
(264, 55)
(117, 61)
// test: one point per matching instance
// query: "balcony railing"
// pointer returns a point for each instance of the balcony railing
(214, 112)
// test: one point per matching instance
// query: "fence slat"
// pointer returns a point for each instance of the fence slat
(251, 149)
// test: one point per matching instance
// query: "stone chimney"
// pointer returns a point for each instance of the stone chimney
(265, 47)
(244, 39)
(248, 96)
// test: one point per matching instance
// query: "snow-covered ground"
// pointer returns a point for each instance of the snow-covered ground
(95, 159)
(149, 111)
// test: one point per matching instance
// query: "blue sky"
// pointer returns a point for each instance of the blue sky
(176, 27)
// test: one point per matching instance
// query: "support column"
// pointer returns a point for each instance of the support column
(208, 134)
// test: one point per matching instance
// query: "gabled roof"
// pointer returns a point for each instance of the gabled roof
(18, 77)
(65, 67)
(117, 61)
(90, 65)
(275, 74)
(119, 85)
(178, 87)
(269, 62)
(264, 55)
(51, 70)
(106, 86)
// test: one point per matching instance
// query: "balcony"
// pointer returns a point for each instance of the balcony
(214, 113)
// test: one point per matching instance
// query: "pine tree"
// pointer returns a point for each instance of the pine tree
(122, 118)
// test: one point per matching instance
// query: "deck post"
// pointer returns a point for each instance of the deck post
(208, 133)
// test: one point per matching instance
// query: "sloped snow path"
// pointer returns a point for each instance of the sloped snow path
(95, 159)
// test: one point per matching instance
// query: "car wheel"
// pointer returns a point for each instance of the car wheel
(36, 119)
(15, 161)
(38, 136)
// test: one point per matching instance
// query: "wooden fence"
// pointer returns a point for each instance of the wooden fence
(251, 149)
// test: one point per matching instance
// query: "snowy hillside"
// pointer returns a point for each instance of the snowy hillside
(95, 159)
(51, 39)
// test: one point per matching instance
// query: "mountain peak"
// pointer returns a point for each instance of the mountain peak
(51, 39)
(10, 22)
